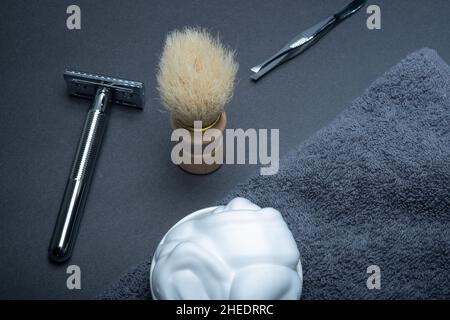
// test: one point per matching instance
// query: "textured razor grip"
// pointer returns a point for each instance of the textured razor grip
(75, 194)
(88, 146)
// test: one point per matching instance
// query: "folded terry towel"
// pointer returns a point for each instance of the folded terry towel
(371, 188)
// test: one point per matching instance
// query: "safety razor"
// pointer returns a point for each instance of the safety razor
(105, 91)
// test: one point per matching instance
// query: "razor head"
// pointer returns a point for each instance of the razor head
(124, 92)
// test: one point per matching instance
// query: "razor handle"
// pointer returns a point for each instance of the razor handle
(77, 187)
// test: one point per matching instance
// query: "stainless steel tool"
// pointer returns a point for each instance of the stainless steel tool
(104, 90)
(305, 40)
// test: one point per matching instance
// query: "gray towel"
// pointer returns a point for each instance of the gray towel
(371, 188)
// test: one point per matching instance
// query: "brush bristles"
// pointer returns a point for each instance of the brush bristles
(196, 76)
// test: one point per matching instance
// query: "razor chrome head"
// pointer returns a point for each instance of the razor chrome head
(124, 92)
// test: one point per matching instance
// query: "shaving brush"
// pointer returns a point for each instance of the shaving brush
(196, 78)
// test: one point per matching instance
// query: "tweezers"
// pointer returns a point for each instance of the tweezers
(305, 40)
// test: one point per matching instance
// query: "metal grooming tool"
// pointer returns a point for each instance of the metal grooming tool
(305, 40)
(104, 91)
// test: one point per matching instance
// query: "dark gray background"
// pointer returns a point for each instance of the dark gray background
(137, 193)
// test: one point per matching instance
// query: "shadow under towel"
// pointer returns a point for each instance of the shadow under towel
(371, 188)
